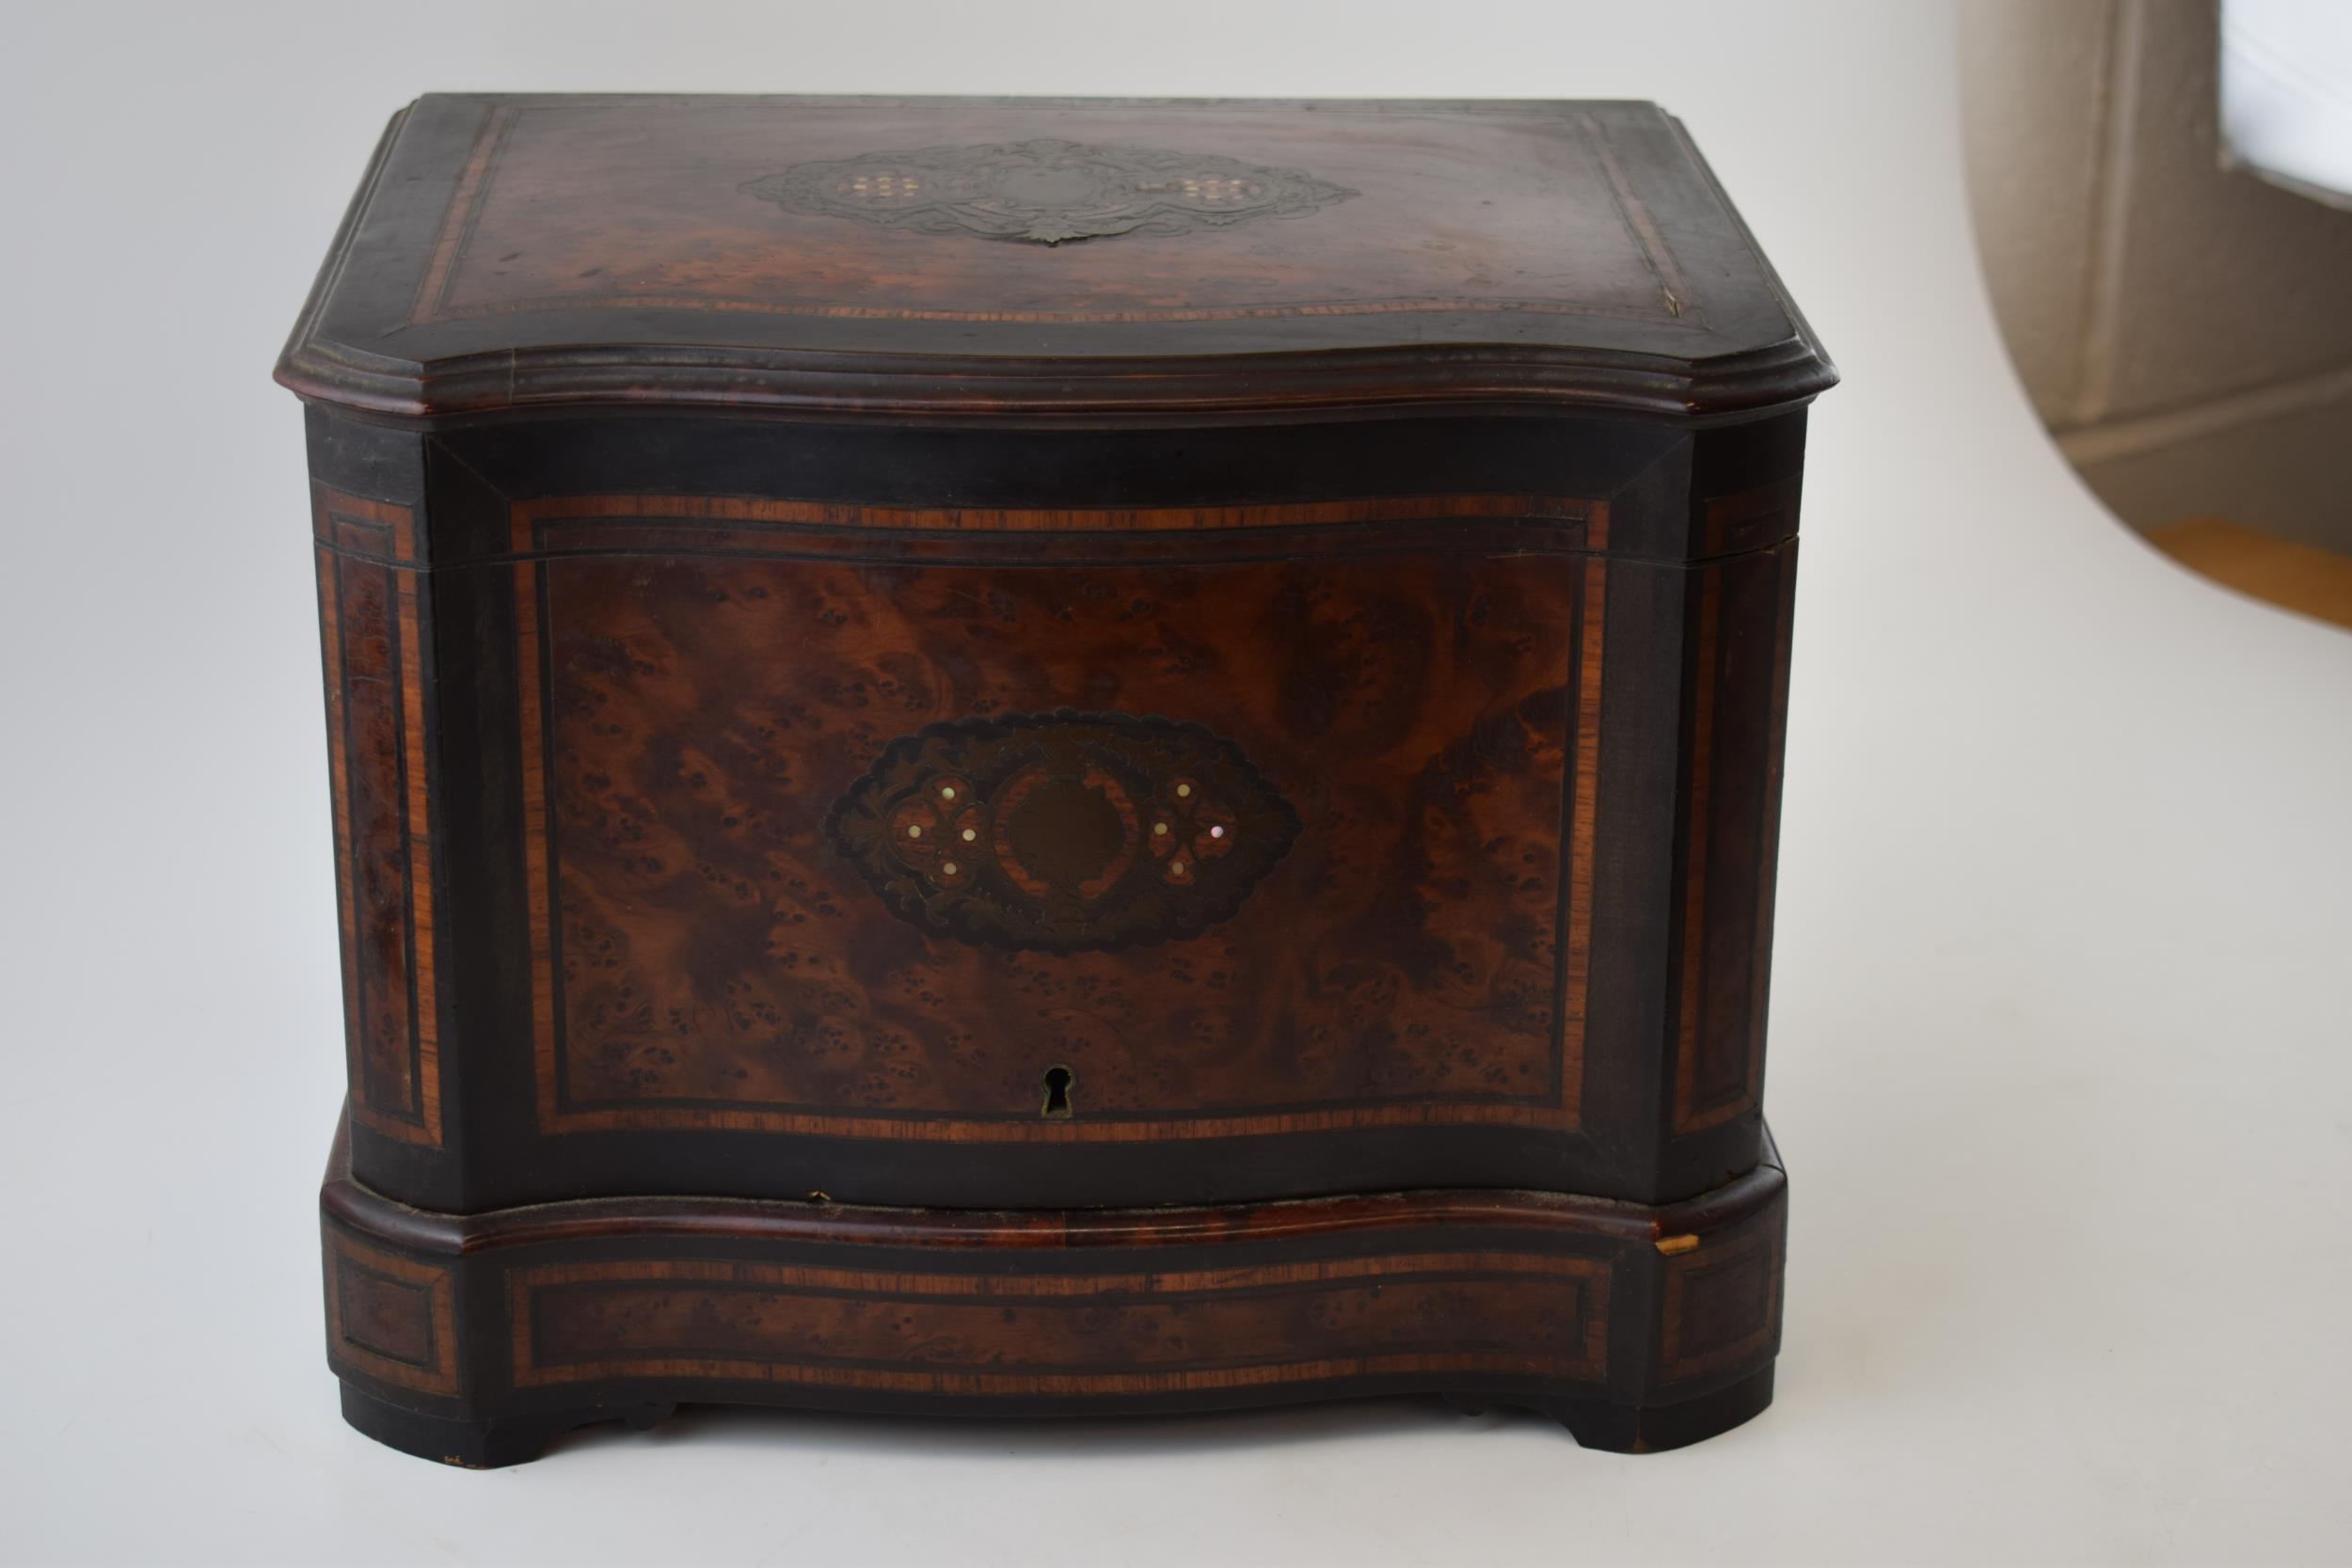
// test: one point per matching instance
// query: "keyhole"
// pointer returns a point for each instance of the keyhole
(1057, 1083)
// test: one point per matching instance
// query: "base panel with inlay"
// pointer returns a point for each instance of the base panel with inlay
(477, 1341)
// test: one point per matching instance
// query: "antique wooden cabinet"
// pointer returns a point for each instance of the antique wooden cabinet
(1050, 756)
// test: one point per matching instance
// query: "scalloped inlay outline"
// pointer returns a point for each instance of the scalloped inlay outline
(1063, 832)
(1045, 190)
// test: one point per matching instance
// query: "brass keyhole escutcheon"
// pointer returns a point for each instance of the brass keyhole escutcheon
(1059, 1081)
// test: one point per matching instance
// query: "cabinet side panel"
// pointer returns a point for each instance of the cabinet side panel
(1739, 639)
(1737, 602)
(370, 615)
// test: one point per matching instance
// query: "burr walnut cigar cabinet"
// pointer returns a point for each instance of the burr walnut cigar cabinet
(1050, 757)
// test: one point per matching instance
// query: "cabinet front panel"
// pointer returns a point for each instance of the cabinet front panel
(927, 842)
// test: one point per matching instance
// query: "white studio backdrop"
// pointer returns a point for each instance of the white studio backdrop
(2061, 1004)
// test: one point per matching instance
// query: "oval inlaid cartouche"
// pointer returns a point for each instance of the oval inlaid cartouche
(1063, 832)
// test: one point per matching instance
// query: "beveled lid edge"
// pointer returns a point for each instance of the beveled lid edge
(1249, 387)
(1272, 384)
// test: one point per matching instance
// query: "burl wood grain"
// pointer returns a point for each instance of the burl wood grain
(706, 958)
(1080, 1334)
(376, 725)
(392, 1317)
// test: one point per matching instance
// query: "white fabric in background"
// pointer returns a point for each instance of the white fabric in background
(2286, 92)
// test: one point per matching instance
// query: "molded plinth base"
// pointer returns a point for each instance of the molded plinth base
(476, 1339)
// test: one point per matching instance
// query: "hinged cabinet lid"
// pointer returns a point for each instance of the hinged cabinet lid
(1059, 259)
